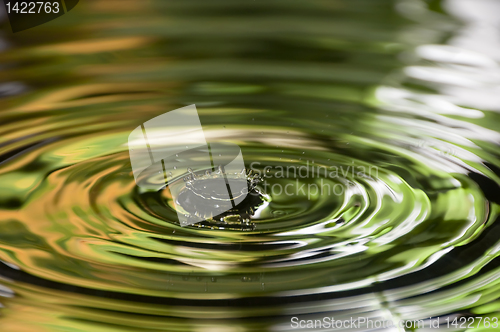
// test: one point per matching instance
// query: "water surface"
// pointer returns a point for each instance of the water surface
(407, 90)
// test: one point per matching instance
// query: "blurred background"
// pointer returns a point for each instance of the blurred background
(409, 87)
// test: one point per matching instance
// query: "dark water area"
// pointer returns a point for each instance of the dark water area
(391, 107)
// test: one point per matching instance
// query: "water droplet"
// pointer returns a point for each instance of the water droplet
(175, 167)
(220, 155)
(303, 152)
(176, 155)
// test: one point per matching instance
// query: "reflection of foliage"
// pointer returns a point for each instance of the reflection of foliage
(294, 74)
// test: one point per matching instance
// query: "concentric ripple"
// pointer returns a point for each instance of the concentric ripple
(378, 176)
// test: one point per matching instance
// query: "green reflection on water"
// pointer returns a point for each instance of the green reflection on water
(292, 83)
